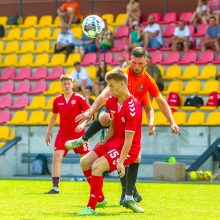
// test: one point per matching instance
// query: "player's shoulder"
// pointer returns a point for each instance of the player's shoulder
(78, 96)
(60, 96)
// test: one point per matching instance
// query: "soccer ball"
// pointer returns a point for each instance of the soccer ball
(93, 26)
(208, 175)
(193, 175)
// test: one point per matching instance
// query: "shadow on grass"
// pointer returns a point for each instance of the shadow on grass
(74, 214)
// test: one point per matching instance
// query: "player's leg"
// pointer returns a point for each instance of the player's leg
(101, 122)
(56, 173)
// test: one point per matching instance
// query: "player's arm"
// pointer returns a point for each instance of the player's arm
(165, 109)
(129, 135)
(110, 132)
(50, 127)
(95, 106)
(150, 118)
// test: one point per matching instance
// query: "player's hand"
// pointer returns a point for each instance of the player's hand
(121, 170)
(48, 139)
(87, 115)
(151, 129)
(79, 128)
(175, 129)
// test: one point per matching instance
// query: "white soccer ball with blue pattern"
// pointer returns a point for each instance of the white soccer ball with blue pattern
(93, 26)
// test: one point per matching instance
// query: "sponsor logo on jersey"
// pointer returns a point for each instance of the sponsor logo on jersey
(73, 102)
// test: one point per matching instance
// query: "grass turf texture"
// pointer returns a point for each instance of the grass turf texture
(24, 199)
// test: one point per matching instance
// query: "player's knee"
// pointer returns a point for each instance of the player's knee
(96, 168)
(57, 158)
(104, 119)
(84, 163)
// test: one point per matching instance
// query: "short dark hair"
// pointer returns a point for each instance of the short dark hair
(139, 52)
(76, 63)
(116, 74)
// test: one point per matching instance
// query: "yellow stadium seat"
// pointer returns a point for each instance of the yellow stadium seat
(13, 34)
(210, 86)
(192, 87)
(27, 47)
(25, 60)
(173, 72)
(109, 18)
(73, 57)
(36, 118)
(38, 102)
(29, 34)
(2, 46)
(2, 143)
(0, 59)
(208, 72)
(174, 86)
(196, 118)
(91, 71)
(43, 46)
(57, 22)
(208, 108)
(19, 117)
(190, 72)
(161, 68)
(159, 118)
(120, 20)
(55, 88)
(188, 108)
(3, 20)
(77, 32)
(41, 60)
(12, 46)
(47, 121)
(56, 60)
(49, 105)
(10, 60)
(45, 21)
(213, 119)
(30, 21)
(179, 117)
(55, 34)
(69, 71)
(154, 104)
(44, 33)
(4, 132)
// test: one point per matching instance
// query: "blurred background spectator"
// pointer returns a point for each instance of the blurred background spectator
(133, 12)
(100, 82)
(65, 41)
(212, 38)
(213, 9)
(69, 12)
(152, 34)
(200, 14)
(88, 95)
(182, 37)
(81, 78)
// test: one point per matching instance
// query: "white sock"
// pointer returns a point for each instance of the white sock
(56, 189)
(127, 197)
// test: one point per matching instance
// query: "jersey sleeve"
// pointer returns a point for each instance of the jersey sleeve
(108, 102)
(55, 110)
(146, 99)
(131, 116)
(83, 103)
(63, 6)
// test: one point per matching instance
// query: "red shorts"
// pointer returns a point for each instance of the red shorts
(60, 141)
(112, 152)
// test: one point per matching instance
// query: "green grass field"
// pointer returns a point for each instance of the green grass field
(24, 199)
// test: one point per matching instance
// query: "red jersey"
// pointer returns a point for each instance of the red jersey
(68, 111)
(126, 117)
(141, 86)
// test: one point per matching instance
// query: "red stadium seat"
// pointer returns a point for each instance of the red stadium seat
(38, 88)
(7, 87)
(156, 15)
(7, 73)
(23, 87)
(20, 102)
(120, 46)
(156, 57)
(191, 28)
(124, 54)
(89, 59)
(206, 57)
(122, 31)
(166, 45)
(217, 60)
(56, 72)
(40, 73)
(188, 58)
(201, 31)
(169, 31)
(171, 58)
(24, 73)
(5, 116)
(5, 101)
(107, 57)
(186, 16)
(169, 17)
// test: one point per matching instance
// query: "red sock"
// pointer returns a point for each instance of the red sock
(95, 191)
(88, 175)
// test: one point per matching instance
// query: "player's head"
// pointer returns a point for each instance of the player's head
(117, 80)
(138, 60)
(66, 83)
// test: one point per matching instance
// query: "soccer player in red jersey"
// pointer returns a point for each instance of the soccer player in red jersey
(122, 143)
(68, 106)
